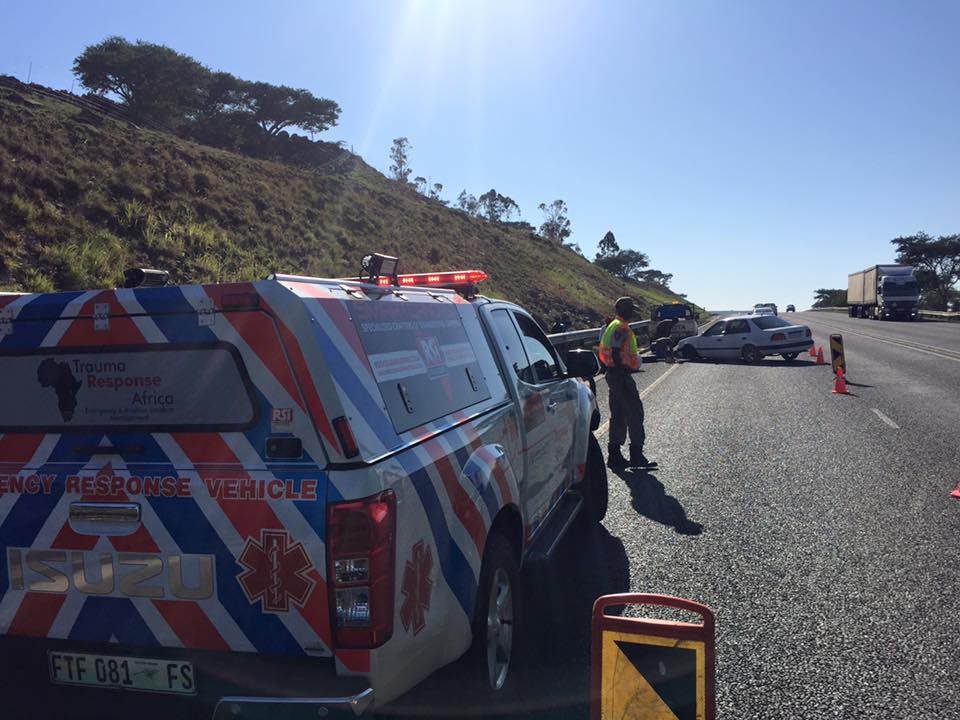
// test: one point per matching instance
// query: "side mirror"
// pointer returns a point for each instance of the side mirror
(582, 363)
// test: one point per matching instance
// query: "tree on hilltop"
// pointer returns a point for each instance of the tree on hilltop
(937, 261)
(556, 225)
(155, 82)
(399, 153)
(497, 207)
(278, 107)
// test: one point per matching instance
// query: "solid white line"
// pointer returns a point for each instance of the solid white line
(887, 420)
(605, 425)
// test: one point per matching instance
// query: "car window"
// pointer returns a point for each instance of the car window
(736, 327)
(715, 329)
(512, 346)
(539, 350)
(768, 322)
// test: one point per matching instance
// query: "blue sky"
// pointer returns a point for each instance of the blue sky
(757, 150)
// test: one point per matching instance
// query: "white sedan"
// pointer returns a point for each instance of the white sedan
(749, 337)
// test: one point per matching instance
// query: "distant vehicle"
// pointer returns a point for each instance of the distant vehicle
(791, 308)
(766, 305)
(749, 338)
(685, 317)
(764, 310)
(883, 292)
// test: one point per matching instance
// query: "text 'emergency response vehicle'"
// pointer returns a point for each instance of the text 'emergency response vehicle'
(296, 492)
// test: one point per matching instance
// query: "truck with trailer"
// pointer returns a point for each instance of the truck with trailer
(883, 292)
(283, 498)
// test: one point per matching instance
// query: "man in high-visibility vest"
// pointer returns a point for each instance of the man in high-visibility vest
(620, 355)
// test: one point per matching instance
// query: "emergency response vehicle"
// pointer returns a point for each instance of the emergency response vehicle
(291, 495)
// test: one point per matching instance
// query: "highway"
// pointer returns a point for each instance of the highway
(818, 527)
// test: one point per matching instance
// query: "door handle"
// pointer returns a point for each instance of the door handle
(92, 518)
(552, 406)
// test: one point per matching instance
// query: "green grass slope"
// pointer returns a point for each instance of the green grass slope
(83, 196)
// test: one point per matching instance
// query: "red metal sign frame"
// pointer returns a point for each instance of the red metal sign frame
(704, 632)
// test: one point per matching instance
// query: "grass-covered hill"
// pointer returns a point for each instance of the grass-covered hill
(84, 196)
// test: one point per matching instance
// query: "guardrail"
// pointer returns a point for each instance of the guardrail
(591, 336)
(933, 314)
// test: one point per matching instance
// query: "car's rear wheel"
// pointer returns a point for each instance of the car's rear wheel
(790, 357)
(688, 352)
(496, 620)
(749, 353)
(596, 496)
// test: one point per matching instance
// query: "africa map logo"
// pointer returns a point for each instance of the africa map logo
(276, 572)
(58, 376)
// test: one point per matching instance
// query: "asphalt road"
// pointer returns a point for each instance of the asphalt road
(818, 527)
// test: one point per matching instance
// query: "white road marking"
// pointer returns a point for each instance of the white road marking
(887, 420)
(605, 425)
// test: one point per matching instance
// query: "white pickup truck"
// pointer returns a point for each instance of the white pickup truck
(280, 498)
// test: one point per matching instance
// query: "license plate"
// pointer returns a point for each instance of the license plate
(123, 673)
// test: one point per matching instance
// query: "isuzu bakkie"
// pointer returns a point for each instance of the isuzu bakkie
(289, 496)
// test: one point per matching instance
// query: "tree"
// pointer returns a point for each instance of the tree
(497, 207)
(830, 298)
(655, 276)
(278, 107)
(937, 261)
(556, 226)
(607, 246)
(155, 83)
(434, 193)
(468, 203)
(421, 183)
(399, 154)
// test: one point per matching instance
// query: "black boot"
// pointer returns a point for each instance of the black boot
(639, 460)
(615, 458)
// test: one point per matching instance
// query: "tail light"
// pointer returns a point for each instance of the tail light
(360, 557)
(778, 336)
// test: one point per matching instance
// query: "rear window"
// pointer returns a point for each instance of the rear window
(421, 358)
(672, 312)
(769, 322)
(161, 388)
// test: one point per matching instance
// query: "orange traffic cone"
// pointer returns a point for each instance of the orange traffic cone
(813, 351)
(956, 491)
(820, 356)
(840, 384)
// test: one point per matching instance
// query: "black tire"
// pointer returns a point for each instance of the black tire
(489, 670)
(688, 352)
(790, 357)
(749, 353)
(596, 493)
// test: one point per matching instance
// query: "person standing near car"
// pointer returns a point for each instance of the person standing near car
(621, 357)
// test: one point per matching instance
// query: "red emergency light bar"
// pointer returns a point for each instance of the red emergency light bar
(447, 279)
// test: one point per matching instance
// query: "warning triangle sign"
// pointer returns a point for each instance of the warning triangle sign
(665, 681)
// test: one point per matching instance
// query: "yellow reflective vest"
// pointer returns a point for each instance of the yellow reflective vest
(619, 335)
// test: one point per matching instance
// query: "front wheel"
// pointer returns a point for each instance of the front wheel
(790, 357)
(596, 495)
(749, 353)
(496, 621)
(688, 352)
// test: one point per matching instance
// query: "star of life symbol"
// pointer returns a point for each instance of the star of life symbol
(416, 588)
(276, 572)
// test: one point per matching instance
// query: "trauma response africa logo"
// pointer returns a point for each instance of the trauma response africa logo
(276, 571)
(417, 588)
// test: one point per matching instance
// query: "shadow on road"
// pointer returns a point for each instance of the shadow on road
(553, 680)
(768, 362)
(649, 498)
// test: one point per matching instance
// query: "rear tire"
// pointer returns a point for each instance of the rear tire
(496, 620)
(749, 353)
(594, 488)
(790, 357)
